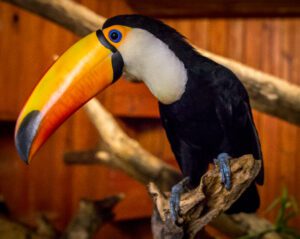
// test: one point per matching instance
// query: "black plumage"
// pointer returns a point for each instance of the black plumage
(212, 116)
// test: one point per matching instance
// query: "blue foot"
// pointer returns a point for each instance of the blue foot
(176, 192)
(223, 162)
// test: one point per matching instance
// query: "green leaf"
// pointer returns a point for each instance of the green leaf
(273, 205)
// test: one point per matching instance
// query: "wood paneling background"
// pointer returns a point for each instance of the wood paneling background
(29, 44)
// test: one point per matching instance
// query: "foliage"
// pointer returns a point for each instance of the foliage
(288, 209)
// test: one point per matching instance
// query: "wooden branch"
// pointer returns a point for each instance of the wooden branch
(13, 229)
(269, 94)
(90, 216)
(254, 226)
(45, 229)
(128, 155)
(67, 13)
(164, 176)
(117, 143)
(199, 206)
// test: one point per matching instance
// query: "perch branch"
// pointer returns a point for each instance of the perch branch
(117, 143)
(199, 206)
(269, 94)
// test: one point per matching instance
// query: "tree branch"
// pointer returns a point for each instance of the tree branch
(91, 215)
(162, 175)
(201, 205)
(269, 94)
(124, 153)
(67, 13)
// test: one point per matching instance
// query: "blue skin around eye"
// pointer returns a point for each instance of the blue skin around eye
(119, 36)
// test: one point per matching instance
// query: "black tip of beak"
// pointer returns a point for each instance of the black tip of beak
(26, 134)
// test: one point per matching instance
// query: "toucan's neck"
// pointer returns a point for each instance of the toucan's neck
(148, 58)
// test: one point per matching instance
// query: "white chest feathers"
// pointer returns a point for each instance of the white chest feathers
(149, 59)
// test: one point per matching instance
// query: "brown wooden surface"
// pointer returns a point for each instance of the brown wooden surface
(217, 8)
(28, 45)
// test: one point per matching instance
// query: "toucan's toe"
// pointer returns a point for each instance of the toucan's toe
(176, 192)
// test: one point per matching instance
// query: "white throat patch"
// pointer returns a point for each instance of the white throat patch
(149, 59)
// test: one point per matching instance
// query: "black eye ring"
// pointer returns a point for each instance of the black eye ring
(115, 36)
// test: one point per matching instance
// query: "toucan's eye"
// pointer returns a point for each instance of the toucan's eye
(115, 36)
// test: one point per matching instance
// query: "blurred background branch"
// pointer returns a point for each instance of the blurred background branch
(90, 216)
(269, 94)
(128, 155)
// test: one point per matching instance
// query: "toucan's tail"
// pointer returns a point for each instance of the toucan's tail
(248, 202)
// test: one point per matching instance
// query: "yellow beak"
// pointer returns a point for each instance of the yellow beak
(79, 74)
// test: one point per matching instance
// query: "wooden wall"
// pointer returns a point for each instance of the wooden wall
(29, 44)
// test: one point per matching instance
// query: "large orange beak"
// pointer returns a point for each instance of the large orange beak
(80, 73)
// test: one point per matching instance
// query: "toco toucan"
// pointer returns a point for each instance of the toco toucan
(204, 108)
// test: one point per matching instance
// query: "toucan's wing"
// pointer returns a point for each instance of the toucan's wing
(192, 160)
(235, 116)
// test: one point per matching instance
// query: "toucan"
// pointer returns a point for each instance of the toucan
(204, 107)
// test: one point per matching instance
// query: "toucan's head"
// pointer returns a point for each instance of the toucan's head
(144, 48)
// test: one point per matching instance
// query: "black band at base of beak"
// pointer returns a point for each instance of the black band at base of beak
(117, 60)
(118, 64)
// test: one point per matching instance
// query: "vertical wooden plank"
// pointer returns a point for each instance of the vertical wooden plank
(10, 49)
(235, 39)
(289, 137)
(217, 35)
(269, 127)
